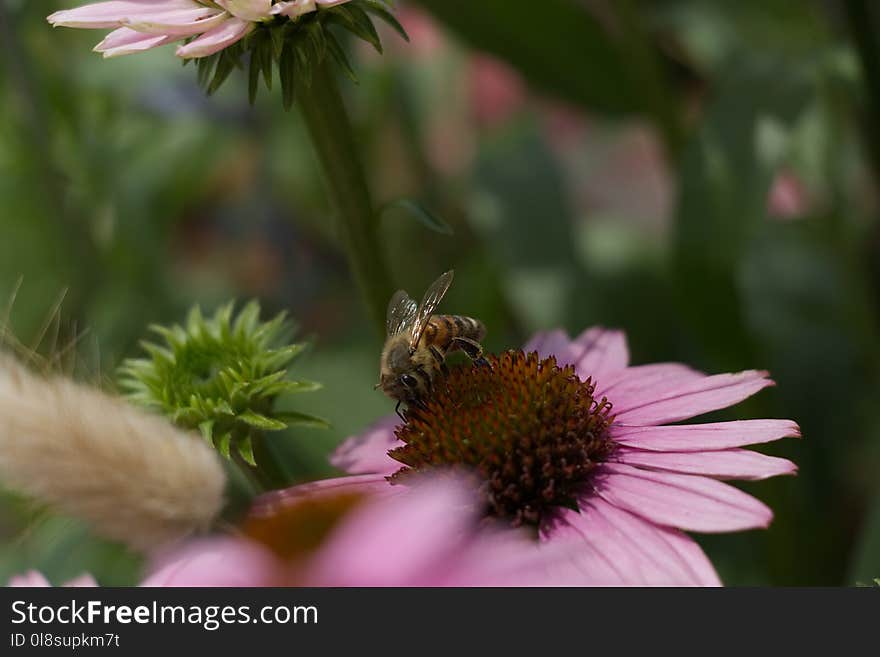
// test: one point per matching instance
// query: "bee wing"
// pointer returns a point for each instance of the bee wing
(428, 305)
(401, 312)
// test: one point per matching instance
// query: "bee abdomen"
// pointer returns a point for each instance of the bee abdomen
(442, 329)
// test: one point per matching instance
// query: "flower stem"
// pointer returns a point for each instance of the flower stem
(325, 115)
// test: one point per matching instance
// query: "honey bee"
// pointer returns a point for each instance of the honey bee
(417, 342)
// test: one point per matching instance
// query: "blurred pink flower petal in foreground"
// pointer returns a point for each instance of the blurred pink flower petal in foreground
(427, 535)
(657, 481)
(140, 25)
(33, 579)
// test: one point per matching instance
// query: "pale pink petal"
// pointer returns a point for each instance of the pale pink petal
(31, 578)
(367, 484)
(691, 399)
(83, 581)
(599, 352)
(111, 14)
(249, 10)
(687, 502)
(699, 437)
(368, 452)
(552, 343)
(724, 464)
(181, 23)
(124, 41)
(227, 33)
(645, 381)
(409, 539)
(221, 561)
(644, 553)
(573, 558)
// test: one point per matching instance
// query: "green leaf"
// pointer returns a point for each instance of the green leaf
(302, 419)
(206, 428)
(355, 19)
(382, 12)
(261, 421)
(337, 52)
(418, 212)
(223, 444)
(287, 73)
(246, 450)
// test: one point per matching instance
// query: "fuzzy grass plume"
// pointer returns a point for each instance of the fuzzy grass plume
(222, 376)
(133, 476)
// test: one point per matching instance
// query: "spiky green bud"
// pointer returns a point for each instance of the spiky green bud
(221, 375)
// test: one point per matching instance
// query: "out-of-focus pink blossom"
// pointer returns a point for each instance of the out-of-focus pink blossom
(788, 198)
(35, 579)
(425, 535)
(496, 90)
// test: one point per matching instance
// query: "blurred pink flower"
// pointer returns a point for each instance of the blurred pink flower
(788, 197)
(32, 579)
(637, 481)
(497, 91)
(427, 536)
(140, 25)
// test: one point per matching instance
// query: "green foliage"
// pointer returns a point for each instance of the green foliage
(296, 47)
(220, 375)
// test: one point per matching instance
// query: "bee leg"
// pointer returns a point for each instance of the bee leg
(473, 350)
(441, 360)
(399, 412)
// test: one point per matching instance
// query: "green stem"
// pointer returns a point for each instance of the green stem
(325, 115)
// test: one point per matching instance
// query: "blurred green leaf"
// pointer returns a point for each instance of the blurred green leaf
(558, 45)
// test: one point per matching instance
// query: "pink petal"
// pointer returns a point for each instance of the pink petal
(690, 399)
(573, 558)
(688, 502)
(222, 561)
(83, 581)
(31, 578)
(724, 464)
(599, 352)
(227, 33)
(646, 553)
(368, 452)
(699, 437)
(410, 538)
(124, 41)
(552, 343)
(645, 381)
(181, 23)
(111, 14)
(366, 484)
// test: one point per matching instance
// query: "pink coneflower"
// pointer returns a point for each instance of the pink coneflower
(210, 26)
(354, 533)
(570, 440)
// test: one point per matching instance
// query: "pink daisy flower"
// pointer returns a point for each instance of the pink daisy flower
(210, 26)
(572, 441)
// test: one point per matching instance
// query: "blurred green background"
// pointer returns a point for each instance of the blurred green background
(701, 174)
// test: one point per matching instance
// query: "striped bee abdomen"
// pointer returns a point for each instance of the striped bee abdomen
(442, 329)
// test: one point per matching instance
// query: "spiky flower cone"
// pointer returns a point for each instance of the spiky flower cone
(222, 376)
(132, 475)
